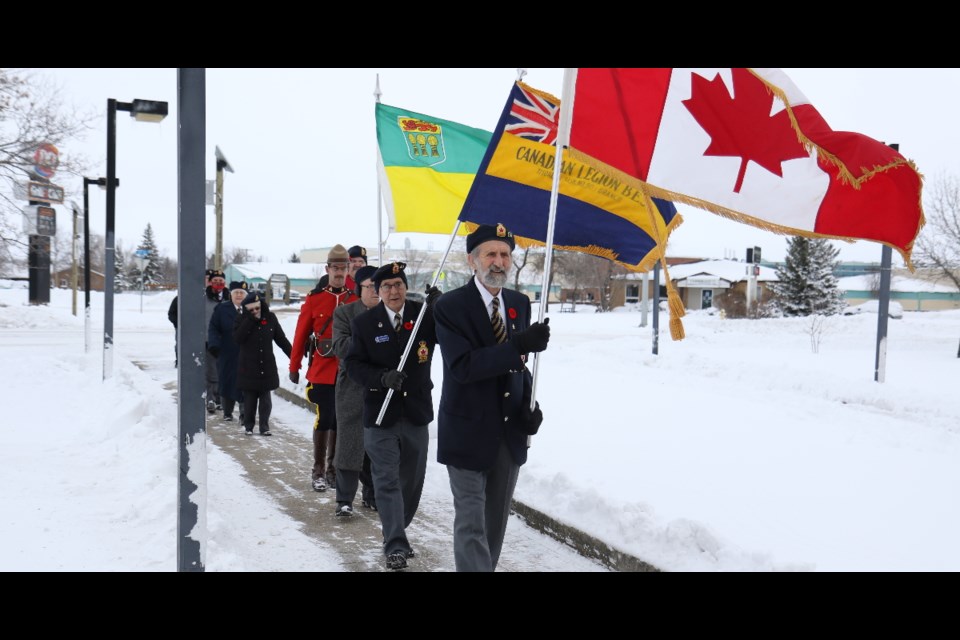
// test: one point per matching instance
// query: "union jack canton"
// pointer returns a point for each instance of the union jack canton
(532, 117)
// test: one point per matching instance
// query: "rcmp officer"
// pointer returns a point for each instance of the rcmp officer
(484, 418)
(398, 446)
(314, 336)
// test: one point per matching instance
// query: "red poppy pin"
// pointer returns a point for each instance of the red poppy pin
(512, 313)
(263, 322)
(408, 325)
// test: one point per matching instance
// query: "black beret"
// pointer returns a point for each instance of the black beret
(490, 232)
(253, 296)
(216, 273)
(388, 271)
(238, 285)
(363, 273)
(356, 251)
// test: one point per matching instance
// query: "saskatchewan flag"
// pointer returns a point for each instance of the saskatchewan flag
(426, 166)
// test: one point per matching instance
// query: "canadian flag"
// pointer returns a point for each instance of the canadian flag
(748, 145)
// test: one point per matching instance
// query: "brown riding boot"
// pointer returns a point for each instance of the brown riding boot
(331, 474)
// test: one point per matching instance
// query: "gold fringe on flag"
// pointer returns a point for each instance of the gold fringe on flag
(676, 328)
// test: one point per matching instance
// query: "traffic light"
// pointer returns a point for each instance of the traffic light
(756, 255)
(749, 255)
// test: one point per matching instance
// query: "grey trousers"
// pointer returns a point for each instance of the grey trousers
(398, 463)
(347, 483)
(481, 503)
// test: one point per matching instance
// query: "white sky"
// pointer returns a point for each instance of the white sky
(303, 144)
(736, 449)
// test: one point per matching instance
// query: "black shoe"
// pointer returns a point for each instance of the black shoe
(266, 433)
(344, 510)
(228, 418)
(411, 553)
(397, 560)
(248, 432)
(211, 407)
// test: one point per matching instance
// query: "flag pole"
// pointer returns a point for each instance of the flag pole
(416, 326)
(563, 139)
(376, 94)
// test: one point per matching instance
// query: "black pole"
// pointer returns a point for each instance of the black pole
(656, 308)
(191, 254)
(86, 247)
(883, 310)
(108, 253)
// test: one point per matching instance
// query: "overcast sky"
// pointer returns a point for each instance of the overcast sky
(303, 146)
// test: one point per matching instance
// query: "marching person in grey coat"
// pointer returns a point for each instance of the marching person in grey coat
(257, 328)
(350, 459)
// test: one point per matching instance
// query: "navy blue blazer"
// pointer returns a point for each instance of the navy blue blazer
(483, 381)
(376, 347)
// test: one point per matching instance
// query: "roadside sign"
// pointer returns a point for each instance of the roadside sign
(45, 192)
(45, 160)
(39, 220)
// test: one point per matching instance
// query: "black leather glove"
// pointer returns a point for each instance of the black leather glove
(531, 420)
(432, 294)
(393, 379)
(214, 351)
(294, 377)
(533, 339)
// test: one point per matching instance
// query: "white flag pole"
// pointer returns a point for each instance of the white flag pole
(416, 326)
(376, 94)
(563, 139)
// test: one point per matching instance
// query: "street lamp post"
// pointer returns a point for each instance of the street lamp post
(221, 165)
(146, 111)
(102, 183)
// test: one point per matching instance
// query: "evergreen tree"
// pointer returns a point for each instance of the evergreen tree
(807, 285)
(153, 271)
(119, 269)
(294, 257)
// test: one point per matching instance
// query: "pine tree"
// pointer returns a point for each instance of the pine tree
(807, 285)
(153, 272)
(119, 269)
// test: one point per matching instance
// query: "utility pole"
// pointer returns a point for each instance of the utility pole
(221, 165)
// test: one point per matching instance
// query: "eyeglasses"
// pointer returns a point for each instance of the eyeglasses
(253, 308)
(388, 287)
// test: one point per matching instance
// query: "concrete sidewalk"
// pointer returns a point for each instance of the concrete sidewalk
(364, 527)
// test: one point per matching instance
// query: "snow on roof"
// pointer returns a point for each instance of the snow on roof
(293, 270)
(902, 284)
(729, 270)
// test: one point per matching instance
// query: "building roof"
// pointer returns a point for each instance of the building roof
(729, 270)
(901, 284)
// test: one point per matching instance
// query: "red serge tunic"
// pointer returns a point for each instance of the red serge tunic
(316, 316)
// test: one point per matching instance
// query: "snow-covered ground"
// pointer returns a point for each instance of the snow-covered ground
(736, 449)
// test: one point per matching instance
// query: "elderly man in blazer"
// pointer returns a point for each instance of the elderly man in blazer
(398, 445)
(484, 419)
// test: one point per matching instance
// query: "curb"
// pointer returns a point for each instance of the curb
(584, 544)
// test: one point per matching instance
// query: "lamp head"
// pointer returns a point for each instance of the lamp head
(222, 160)
(148, 110)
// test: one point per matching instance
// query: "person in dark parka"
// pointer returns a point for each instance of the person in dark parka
(221, 345)
(256, 331)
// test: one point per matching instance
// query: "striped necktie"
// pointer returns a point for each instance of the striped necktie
(499, 330)
(397, 322)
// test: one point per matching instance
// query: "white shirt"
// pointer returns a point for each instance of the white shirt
(488, 297)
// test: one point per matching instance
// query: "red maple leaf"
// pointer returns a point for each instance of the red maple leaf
(743, 126)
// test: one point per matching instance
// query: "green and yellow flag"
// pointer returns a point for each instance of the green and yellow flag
(426, 167)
